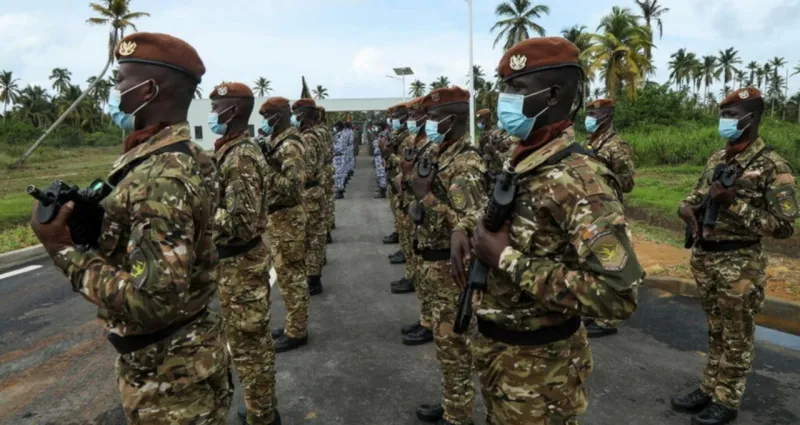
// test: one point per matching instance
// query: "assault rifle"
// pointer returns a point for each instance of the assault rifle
(87, 215)
(497, 213)
(709, 210)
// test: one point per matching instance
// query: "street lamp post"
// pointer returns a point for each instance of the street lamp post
(401, 76)
(471, 80)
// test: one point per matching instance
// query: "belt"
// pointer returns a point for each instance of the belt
(309, 185)
(542, 336)
(275, 208)
(721, 246)
(228, 251)
(129, 344)
(436, 254)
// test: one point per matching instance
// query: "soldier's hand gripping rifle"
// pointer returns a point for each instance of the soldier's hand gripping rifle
(425, 167)
(497, 213)
(709, 210)
(87, 214)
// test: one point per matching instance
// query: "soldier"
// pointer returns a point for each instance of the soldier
(321, 128)
(381, 132)
(452, 190)
(154, 275)
(339, 159)
(388, 146)
(728, 259)
(240, 221)
(495, 144)
(314, 195)
(286, 179)
(398, 135)
(617, 155)
(564, 253)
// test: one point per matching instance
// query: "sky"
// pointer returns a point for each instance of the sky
(350, 46)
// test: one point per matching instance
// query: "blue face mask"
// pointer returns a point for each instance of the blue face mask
(412, 126)
(120, 118)
(396, 124)
(294, 121)
(432, 131)
(266, 127)
(216, 126)
(591, 124)
(729, 128)
(481, 126)
(510, 115)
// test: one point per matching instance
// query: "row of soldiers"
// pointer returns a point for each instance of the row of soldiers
(563, 266)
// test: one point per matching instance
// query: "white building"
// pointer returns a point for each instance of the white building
(201, 133)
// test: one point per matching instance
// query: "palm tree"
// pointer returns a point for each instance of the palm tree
(618, 52)
(709, 71)
(517, 20)
(759, 77)
(578, 36)
(681, 66)
(115, 13)
(9, 91)
(480, 78)
(767, 75)
(652, 11)
(696, 73)
(320, 92)
(34, 106)
(262, 87)
(82, 115)
(416, 89)
(777, 63)
(752, 67)
(441, 83)
(796, 69)
(727, 60)
(61, 79)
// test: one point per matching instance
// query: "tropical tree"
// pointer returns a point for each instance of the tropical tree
(480, 78)
(440, 83)
(652, 12)
(34, 106)
(777, 63)
(61, 79)
(752, 67)
(517, 21)
(796, 69)
(117, 15)
(709, 71)
(727, 61)
(618, 52)
(417, 88)
(759, 77)
(582, 39)
(83, 114)
(767, 75)
(262, 87)
(9, 91)
(320, 92)
(681, 67)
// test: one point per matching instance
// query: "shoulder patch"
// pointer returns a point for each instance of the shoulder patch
(611, 254)
(139, 268)
(459, 199)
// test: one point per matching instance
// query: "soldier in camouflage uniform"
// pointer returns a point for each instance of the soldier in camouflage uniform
(728, 260)
(495, 144)
(153, 275)
(240, 222)
(452, 191)
(617, 155)
(565, 253)
(314, 194)
(286, 227)
(398, 115)
(321, 127)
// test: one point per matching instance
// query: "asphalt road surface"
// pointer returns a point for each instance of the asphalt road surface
(57, 368)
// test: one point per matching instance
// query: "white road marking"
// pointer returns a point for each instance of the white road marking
(20, 271)
(273, 277)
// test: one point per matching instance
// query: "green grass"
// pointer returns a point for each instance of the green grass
(17, 237)
(656, 234)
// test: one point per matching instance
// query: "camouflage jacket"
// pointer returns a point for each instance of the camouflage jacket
(458, 190)
(315, 154)
(156, 262)
(419, 145)
(766, 196)
(240, 215)
(495, 145)
(570, 252)
(396, 139)
(286, 175)
(326, 143)
(617, 156)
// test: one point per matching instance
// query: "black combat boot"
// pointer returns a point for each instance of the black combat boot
(395, 254)
(715, 414)
(593, 330)
(392, 239)
(286, 343)
(243, 416)
(329, 239)
(405, 330)
(430, 412)
(339, 194)
(693, 402)
(400, 259)
(418, 337)
(380, 193)
(403, 286)
(277, 332)
(333, 226)
(314, 285)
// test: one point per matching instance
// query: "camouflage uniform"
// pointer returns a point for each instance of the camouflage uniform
(731, 282)
(314, 201)
(570, 256)
(156, 268)
(286, 177)
(339, 152)
(405, 227)
(392, 169)
(458, 190)
(244, 289)
(617, 155)
(327, 179)
(500, 143)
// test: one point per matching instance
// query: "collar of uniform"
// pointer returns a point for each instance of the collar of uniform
(601, 139)
(229, 139)
(291, 131)
(420, 140)
(167, 136)
(744, 157)
(539, 156)
(230, 144)
(449, 154)
(401, 134)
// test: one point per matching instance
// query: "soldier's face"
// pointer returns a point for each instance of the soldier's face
(547, 95)
(600, 114)
(420, 117)
(132, 75)
(225, 108)
(401, 115)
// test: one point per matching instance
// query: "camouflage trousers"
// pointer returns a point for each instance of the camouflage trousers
(608, 324)
(244, 293)
(425, 293)
(533, 385)
(393, 202)
(287, 239)
(181, 380)
(330, 210)
(316, 229)
(731, 286)
(452, 350)
(405, 229)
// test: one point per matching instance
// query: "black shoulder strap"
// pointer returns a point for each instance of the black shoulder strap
(563, 153)
(179, 147)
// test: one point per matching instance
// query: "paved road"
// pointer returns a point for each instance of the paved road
(56, 368)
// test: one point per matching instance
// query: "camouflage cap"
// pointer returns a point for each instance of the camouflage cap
(537, 54)
(273, 104)
(229, 90)
(602, 103)
(741, 95)
(161, 50)
(445, 96)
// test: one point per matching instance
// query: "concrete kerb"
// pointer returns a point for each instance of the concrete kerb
(12, 259)
(778, 314)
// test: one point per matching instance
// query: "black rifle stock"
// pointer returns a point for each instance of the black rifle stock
(87, 215)
(497, 213)
(709, 210)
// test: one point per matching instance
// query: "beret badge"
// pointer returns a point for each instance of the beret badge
(126, 48)
(744, 94)
(435, 97)
(222, 90)
(518, 62)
